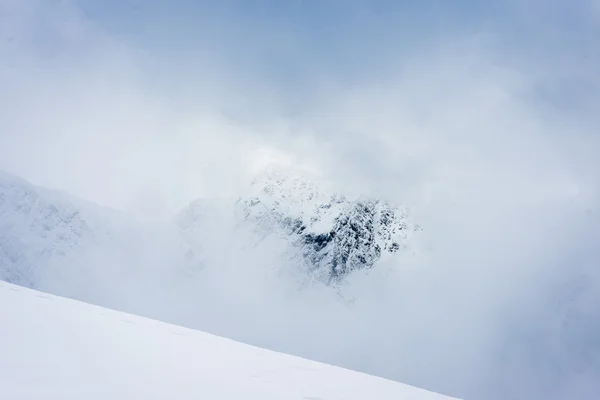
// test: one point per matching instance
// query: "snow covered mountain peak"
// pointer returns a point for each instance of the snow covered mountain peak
(286, 192)
(331, 233)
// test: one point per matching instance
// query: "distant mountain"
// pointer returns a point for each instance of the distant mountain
(331, 234)
(55, 242)
(328, 234)
(38, 226)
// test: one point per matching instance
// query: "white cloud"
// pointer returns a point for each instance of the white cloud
(503, 178)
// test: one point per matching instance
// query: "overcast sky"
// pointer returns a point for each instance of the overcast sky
(146, 105)
(482, 116)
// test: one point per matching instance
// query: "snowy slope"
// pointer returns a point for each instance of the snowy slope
(55, 348)
(57, 243)
(38, 225)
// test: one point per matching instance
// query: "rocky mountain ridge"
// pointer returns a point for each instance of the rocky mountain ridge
(332, 234)
(329, 235)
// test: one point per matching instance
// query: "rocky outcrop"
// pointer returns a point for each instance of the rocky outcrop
(332, 235)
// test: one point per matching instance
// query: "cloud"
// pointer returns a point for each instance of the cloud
(134, 103)
(481, 117)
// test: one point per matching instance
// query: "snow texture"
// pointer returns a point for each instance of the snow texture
(57, 348)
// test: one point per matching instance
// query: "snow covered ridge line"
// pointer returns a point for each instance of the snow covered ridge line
(62, 348)
(325, 235)
(39, 225)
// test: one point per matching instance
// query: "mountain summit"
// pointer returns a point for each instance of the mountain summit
(332, 234)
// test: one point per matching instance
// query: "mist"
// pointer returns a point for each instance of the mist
(480, 118)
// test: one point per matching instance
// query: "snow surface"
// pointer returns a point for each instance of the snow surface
(57, 348)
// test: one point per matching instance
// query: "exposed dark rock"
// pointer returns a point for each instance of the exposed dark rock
(358, 233)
